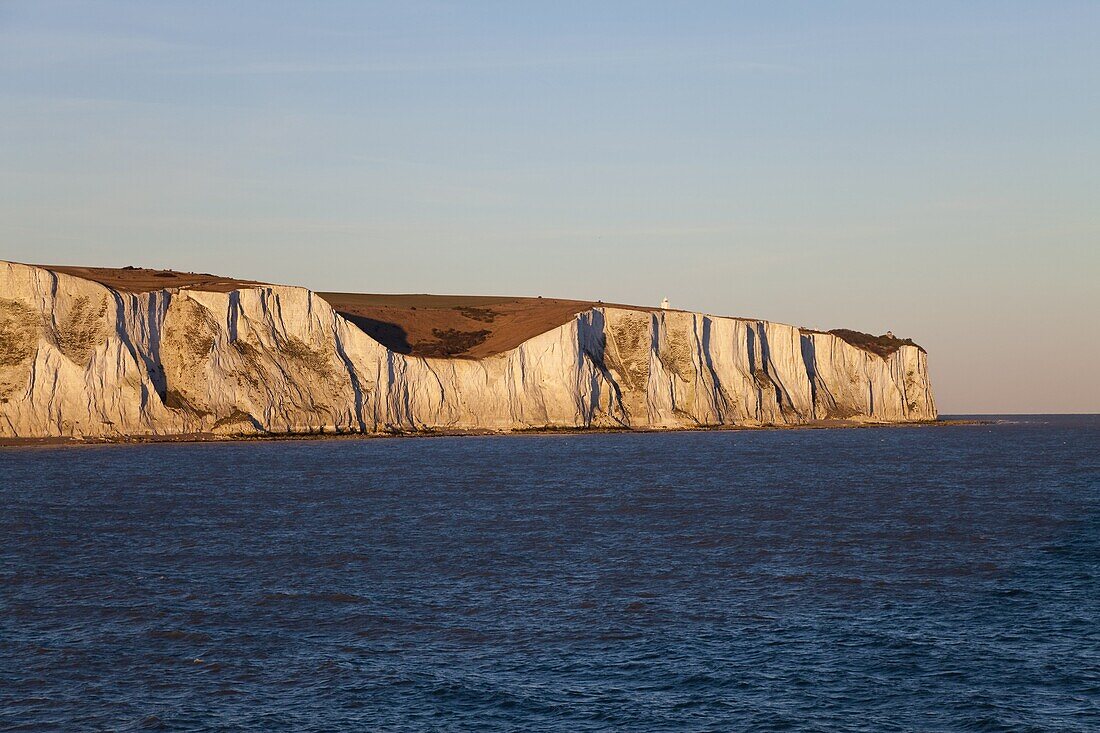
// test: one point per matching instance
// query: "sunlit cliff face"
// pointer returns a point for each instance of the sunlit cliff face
(82, 359)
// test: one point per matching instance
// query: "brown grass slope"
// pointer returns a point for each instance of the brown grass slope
(145, 280)
(463, 326)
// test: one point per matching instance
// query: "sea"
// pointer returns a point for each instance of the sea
(881, 579)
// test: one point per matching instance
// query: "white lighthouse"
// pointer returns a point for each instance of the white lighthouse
(664, 304)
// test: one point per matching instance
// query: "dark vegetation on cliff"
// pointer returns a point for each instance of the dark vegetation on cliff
(882, 345)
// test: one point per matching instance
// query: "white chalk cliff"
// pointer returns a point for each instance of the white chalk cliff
(78, 359)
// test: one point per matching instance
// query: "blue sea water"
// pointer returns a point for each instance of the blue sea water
(888, 579)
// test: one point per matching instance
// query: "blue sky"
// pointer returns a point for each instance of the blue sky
(930, 168)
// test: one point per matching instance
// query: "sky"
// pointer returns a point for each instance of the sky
(928, 168)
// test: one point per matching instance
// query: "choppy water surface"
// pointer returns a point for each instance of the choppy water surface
(859, 580)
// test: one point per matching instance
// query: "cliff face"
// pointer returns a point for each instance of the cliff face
(81, 359)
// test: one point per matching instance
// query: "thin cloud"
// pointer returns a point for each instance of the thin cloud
(488, 63)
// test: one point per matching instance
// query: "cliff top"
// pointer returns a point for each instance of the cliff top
(145, 280)
(457, 326)
(464, 326)
(882, 345)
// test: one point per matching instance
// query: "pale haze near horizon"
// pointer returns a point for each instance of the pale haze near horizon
(933, 170)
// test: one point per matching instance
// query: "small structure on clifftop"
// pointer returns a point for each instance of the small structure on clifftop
(664, 304)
